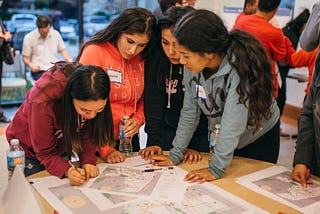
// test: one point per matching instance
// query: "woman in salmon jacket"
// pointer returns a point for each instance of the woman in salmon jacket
(120, 50)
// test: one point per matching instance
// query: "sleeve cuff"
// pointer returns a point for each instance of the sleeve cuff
(103, 151)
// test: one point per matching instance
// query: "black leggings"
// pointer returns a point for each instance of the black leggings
(266, 148)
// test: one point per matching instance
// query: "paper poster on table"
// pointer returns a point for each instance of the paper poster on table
(128, 188)
(275, 182)
(19, 196)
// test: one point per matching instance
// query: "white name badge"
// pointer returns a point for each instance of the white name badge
(201, 92)
(114, 76)
(40, 47)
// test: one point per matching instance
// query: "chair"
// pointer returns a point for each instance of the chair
(13, 82)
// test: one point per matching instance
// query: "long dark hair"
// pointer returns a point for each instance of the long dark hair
(202, 31)
(87, 83)
(159, 65)
(130, 21)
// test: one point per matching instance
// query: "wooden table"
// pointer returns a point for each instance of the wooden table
(239, 167)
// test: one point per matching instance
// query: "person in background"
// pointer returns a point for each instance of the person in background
(7, 37)
(67, 112)
(164, 92)
(310, 37)
(120, 50)
(271, 37)
(249, 7)
(304, 58)
(233, 86)
(163, 6)
(292, 31)
(189, 3)
(41, 46)
(307, 156)
(166, 4)
(55, 15)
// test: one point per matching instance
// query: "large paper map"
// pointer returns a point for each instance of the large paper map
(275, 182)
(126, 180)
(127, 188)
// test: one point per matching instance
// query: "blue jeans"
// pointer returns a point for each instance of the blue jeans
(36, 75)
(32, 166)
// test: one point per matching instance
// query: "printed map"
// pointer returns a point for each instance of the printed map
(130, 189)
(283, 186)
(197, 199)
(126, 180)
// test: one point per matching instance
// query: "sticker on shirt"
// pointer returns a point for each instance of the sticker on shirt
(201, 92)
(114, 76)
(40, 47)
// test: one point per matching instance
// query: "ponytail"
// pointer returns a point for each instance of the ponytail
(247, 55)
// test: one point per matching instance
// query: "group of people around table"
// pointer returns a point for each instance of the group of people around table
(180, 76)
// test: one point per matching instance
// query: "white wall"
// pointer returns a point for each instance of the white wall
(302, 4)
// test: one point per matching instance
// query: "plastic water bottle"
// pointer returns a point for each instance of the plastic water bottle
(15, 157)
(213, 140)
(125, 145)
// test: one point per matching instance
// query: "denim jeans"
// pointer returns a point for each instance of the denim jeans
(32, 166)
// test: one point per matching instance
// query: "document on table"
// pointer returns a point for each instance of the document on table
(19, 196)
(275, 182)
(128, 188)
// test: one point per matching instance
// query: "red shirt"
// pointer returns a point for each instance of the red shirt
(303, 58)
(271, 38)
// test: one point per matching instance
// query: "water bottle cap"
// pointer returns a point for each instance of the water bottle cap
(14, 142)
(217, 126)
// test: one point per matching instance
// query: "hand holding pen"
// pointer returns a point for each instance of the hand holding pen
(76, 176)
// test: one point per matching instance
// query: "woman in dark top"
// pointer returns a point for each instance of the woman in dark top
(292, 30)
(164, 93)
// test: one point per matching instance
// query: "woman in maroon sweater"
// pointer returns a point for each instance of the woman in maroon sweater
(67, 112)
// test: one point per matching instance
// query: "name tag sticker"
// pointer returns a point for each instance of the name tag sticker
(40, 47)
(114, 76)
(201, 92)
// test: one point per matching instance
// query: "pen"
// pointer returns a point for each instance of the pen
(152, 170)
(156, 169)
(72, 165)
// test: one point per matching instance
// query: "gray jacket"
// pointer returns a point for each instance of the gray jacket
(219, 99)
(310, 37)
(308, 142)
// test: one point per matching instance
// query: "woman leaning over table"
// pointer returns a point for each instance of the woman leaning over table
(164, 92)
(120, 50)
(307, 156)
(67, 112)
(229, 79)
